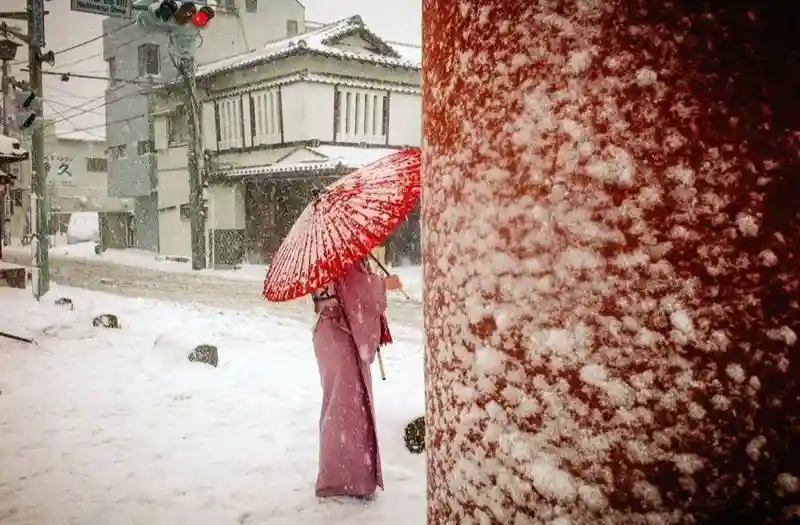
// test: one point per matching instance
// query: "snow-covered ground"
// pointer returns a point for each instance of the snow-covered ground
(110, 427)
(410, 275)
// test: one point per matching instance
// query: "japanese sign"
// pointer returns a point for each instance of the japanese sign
(57, 167)
(102, 7)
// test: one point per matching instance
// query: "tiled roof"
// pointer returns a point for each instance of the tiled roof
(319, 41)
(335, 158)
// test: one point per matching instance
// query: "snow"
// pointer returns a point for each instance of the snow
(84, 226)
(117, 427)
(551, 481)
(8, 266)
(354, 157)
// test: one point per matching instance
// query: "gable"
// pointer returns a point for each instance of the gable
(302, 155)
(363, 43)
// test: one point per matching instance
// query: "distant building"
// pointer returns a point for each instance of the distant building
(132, 54)
(279, 122)
(77, 179)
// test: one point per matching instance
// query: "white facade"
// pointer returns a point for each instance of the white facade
(133, 54)
(334, 97)
(77, 178)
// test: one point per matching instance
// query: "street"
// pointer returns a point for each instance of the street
(189, 288)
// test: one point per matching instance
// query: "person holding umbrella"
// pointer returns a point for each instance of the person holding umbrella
(350, 328)
(326, 255)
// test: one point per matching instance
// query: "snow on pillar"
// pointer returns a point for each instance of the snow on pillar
(611, 214)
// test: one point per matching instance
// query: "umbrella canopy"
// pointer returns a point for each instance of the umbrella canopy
(344, 224)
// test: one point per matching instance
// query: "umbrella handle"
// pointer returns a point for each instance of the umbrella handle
(382, 267)
(380, 366)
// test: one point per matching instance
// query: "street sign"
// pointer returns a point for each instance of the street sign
(102, 7)
(36, 23)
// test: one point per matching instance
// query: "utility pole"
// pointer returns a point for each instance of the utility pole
(5, 190)
(8, 52)
(27, 116)
(197, 214)
(173, 18)
(39, 212)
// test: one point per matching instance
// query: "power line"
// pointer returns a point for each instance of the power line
(87, 110)
(85, 42)
(97, 77)
(105, 124)
(132, 40)
(69, 93)
(50, 101)
(64, 118)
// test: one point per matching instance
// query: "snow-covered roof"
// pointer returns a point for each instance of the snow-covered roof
(324, 41)
(329, 159)
(82, 136)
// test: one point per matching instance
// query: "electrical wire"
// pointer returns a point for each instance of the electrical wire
(89, 41)
(51, 101)
(69, 93)
(67, 119)
(105, 124)
(112, 48)
(85, 42)
(106, 103)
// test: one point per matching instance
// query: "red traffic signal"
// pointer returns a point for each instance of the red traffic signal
(202, 17)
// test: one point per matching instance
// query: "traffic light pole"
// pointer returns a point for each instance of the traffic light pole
(172, 18)
(39, 216)
(3, 196)
(197, 215)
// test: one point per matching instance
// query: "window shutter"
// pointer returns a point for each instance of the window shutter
(209, 126)
(160, 133)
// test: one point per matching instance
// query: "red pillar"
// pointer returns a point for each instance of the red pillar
(611, 212)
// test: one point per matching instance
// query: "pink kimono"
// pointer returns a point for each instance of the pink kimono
(349, 461)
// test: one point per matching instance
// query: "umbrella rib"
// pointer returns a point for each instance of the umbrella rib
(353, 216)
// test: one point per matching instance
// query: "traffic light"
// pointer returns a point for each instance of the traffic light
(25, 108)
(177, 13)
(203, 16)
(164, 10)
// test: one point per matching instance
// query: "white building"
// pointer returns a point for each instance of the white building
(77, 179)
(135, 57)
(278, 122)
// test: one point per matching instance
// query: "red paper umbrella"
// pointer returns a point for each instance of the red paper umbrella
(344, 224)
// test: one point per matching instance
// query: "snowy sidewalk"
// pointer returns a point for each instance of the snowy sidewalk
(101, 426)
(84, 252)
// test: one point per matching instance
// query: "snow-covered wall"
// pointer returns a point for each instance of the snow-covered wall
(611, 213)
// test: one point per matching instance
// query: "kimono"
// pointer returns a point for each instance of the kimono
(348, 332)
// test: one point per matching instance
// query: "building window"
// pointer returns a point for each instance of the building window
(292, 28)
(385, 116)
(145, 146)
(112, 71)
(229, 113)
(349, 101)
(177, 127)
(266, 116)
(96, 164)
(116, 152)
(361, 115)
(186, 215)
(16, 198)
(251, 6)
(149, 60)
